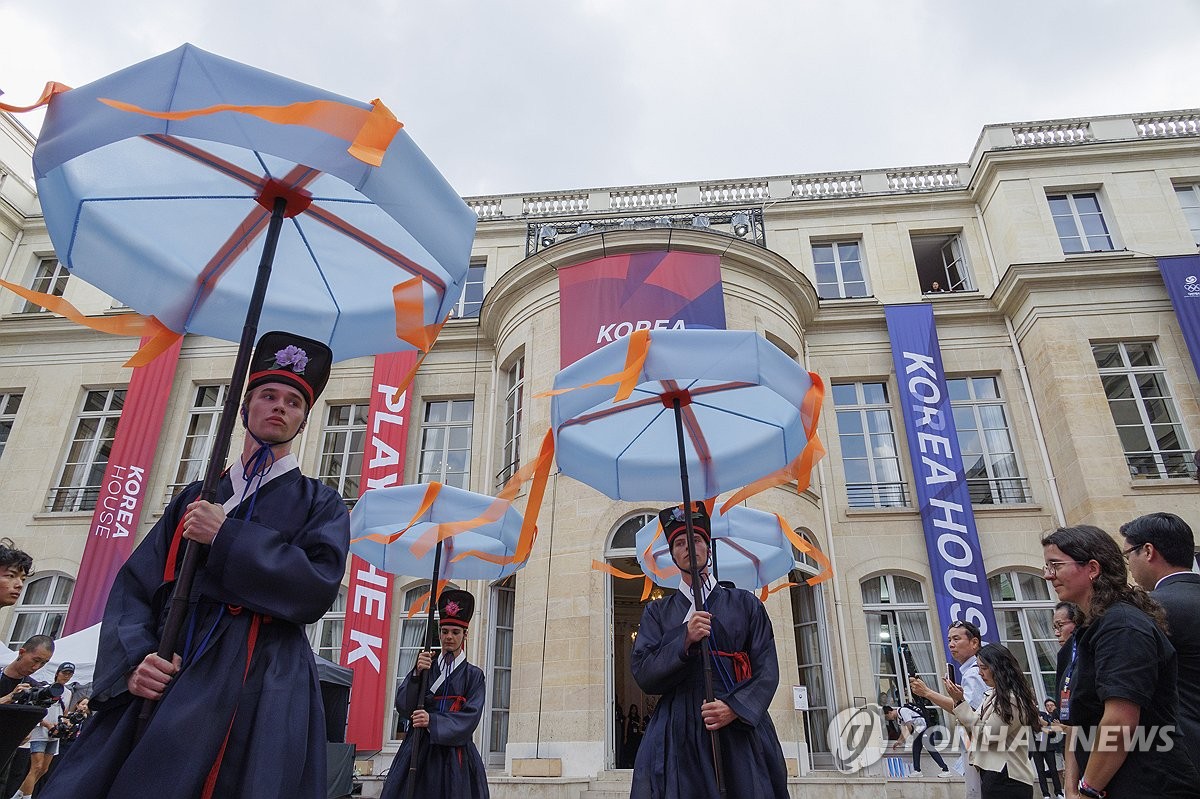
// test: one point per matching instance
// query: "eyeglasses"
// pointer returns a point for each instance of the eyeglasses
(1051, 567)
(1127, 552)
(1059, 625)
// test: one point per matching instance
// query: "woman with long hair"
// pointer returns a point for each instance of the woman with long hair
(1116, 676)
(1000, 730)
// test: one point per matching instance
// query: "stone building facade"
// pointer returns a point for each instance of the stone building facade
(1074, 395)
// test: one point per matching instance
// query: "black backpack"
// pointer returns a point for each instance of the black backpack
(927, 711)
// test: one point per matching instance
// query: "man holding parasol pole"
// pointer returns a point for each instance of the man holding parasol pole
(443, 699)
(239, 708)
(674, 759)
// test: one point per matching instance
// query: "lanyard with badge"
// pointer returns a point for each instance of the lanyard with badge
(1064, 696)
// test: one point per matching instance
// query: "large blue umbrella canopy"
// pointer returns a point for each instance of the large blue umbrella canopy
(396, 530)
(156, 183)
(749, 549)
(748, 411)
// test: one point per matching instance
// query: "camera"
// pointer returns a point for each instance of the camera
(41, 696)
(66, 728)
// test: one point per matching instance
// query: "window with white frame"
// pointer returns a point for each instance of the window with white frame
(42, 608)
(941, 263)
(1079, 220)
(342, 448)
(840, 270)
(812, 649)
(867, 440)
(514, 382)
(471, 299)
(78, 484)
(50, 277)
(1189, 201)
(504, 596)
(446, 443)
(989, 456)
(898, 622)
(10, 403)
(1025, 611)
(325, 634)
(203, 417)
(1147, 420)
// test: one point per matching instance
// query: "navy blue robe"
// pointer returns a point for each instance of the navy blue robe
(262, 579)
(675, 758)
(451, 766)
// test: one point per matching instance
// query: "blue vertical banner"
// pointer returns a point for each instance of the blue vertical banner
(955, 559)
(1181, 274)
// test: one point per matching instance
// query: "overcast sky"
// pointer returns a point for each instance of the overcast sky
(510, 96)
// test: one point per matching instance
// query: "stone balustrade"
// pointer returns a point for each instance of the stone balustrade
(1062, 133)
(1174, 125)
(749, 193)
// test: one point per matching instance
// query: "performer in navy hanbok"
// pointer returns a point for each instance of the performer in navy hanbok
(239, 709)
(443, 724)
(675, 758)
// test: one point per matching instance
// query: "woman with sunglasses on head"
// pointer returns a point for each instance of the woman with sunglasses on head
(1116, 677)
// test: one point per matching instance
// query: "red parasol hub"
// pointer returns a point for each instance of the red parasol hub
(296, 199)
(683, 395)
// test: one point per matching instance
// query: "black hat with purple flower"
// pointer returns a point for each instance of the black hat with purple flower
(296, 361)
(456, 608)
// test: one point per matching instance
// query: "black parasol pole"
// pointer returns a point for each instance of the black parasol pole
(181, 595)
(712, 555)
(705, 647)
(415, 760)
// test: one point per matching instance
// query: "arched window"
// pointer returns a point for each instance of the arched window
(812, 651)
(325, 635)
(626, 532)
(41, 609)
(1025, 611)
(897, 620)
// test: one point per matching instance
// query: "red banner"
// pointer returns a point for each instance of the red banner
(123, 491)
(608, 298)
(368, 624)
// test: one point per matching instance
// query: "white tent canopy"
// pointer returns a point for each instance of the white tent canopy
(79, 648)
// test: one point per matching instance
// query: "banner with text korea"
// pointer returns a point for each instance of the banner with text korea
(608, 298)
(955, 560)
(1181, 274)
(123, 489)
(365, 636)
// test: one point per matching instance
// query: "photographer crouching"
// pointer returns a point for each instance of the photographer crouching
(15, 687)
(43, 744)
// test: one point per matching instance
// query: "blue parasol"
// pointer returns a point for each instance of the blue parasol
(173, 184)
(749, 549)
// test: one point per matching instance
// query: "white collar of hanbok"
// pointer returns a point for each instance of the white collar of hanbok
(686, 590)
(243, 489)
(462, 655)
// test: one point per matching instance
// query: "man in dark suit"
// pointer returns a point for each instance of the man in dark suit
(1161, 551)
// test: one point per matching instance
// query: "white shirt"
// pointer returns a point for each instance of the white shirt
(972, 684)
(910, 716)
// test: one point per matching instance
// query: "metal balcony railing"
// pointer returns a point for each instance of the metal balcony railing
(745, 224)
(877, 495)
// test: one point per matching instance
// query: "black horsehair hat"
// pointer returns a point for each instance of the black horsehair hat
(674, 524)
(296, 361)
(456, 608)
